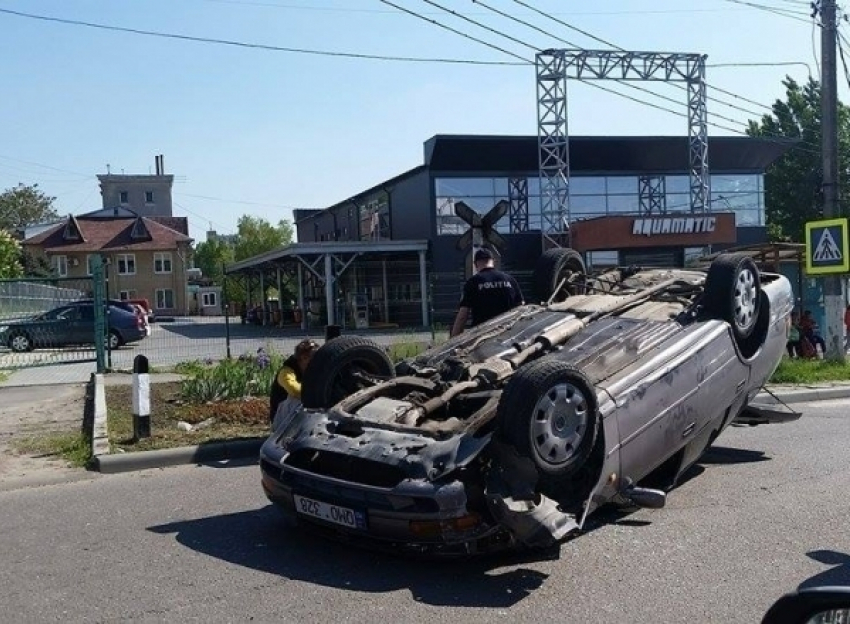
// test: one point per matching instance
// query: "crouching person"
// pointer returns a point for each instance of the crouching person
(285, 395)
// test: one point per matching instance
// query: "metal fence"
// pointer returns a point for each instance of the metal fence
(386, 307)
(39, 326)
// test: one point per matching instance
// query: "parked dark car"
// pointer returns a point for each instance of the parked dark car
(71, 324)
(511, 433)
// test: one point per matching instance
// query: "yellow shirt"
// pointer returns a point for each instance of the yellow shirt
(286, 378)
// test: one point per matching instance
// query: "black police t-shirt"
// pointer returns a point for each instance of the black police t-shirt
(490, 293)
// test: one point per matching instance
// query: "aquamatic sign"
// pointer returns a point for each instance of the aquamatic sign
(636, 232)
(674, 225)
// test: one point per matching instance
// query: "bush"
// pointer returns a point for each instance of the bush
(250, 375)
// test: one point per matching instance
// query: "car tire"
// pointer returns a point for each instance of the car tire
(549, 413)
(733, 293)
(20, 342)
(552, 267)
(113, 340)
(329, 377)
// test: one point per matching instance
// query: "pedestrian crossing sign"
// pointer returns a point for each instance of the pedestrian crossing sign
(827, 247)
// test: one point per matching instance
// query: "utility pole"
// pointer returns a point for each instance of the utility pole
(833, 286)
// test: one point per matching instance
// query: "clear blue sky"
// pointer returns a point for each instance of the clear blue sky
(282, 130)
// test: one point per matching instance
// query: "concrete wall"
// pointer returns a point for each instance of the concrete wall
(136, 187)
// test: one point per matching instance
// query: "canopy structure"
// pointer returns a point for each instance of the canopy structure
(768, 256)
(356, 267)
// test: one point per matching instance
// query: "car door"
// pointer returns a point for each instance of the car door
(82, 325)
(53, 329)
(674, 394)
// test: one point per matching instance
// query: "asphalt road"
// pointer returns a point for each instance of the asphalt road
(169, 344)
(767, 513)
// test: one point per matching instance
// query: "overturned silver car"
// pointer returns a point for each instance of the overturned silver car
(510, 434)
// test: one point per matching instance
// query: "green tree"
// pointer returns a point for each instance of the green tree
(256, 236)
(25, 205)
(10, 254)
(211, 256)
(793, 184)
(35, 265)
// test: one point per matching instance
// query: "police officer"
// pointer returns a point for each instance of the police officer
(486, 294)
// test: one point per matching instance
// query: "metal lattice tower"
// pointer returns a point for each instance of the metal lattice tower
(555, 67)
(518, 196)
(652, 193)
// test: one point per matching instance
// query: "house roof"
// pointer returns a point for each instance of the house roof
(179, 224)
(116, 234)
(621, 154)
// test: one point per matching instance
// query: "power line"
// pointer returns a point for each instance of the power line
(238, 201)
(567, 25)
(257, 46)
(35, 164)
(799, 16)
(202, 217)
(616, 47)
(453, 30)
(632, 86)
(528, 45)
(340, 9)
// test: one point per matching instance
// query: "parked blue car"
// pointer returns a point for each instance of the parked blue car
(71, 324)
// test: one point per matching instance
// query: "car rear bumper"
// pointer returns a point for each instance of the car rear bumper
(133, 335)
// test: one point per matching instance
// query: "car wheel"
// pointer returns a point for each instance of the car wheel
(20, 342)
(333, 373)
(733, 293)
(554, 266)
(548, 412)
(113, 340)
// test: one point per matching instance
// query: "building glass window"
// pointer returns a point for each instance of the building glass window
(587, 206)
(60, 265)
(601, 259)
(148, 197)
(621, 185)
(480, 194)
(208, 299)
(126, 264)
(162, 262)
(677, 184)
(748, 207)
(623, 204)
(375, 218)
(594, 196)
(124, 197)
(124, 295)
(164, 299)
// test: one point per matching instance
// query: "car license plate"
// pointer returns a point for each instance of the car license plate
(330, 513)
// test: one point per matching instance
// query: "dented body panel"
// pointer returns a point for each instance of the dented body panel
(416, 462)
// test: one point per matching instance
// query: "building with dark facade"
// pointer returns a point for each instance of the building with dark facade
(629, 203)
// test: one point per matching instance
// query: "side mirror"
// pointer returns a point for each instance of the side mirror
(817, 605)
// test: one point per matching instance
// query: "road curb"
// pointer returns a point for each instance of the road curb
(99, 433)
(805, 396)
(196, 454)
(112, 463)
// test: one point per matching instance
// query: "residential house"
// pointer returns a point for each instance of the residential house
(146, 258)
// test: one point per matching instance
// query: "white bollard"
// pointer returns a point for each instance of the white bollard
(141, 399)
